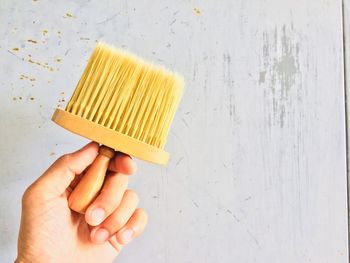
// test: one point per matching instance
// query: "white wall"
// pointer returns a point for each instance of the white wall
(258, 164)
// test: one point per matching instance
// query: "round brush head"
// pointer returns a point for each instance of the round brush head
(125, 103)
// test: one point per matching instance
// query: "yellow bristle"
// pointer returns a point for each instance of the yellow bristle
(122, 92)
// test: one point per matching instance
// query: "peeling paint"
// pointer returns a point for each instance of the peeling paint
(279, 72)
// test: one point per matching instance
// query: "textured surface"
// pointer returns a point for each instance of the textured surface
(258, 168)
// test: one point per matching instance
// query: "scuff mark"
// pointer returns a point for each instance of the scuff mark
(230, 84)
(108, 19)
(184, 122)
(179, 161)
(254, 238)
(172, 22)
(195, 204)
(233, 215)
(9, 51)
(195, 68)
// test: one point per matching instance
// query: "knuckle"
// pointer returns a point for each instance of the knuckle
(64, 158)
(131, 194)
(29, 196)
(109, 205)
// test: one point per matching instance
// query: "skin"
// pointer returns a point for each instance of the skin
(51, 232)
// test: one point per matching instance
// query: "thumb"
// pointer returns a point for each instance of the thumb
(62, 172)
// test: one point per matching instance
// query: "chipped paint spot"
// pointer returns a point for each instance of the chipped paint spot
(45, 31)
(52, 153)
(31, 98)
(197, 11)
(15, 49)
(58, 60)
(262, 75)
(32, 41)
(14, 98)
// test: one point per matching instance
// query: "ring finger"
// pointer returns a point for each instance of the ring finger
(117, 219)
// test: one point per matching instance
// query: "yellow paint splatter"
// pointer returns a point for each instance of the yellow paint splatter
(45, 31)
(197, 10)
(44, 65)
(58, 60)
(15, 49)
(14, 98)
(68, 14)
(20, 98)
(31, 98)
(26, 77)
(32, 41)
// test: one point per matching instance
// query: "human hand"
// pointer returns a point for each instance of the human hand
(51, 232)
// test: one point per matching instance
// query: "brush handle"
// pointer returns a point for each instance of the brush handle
(90, 184)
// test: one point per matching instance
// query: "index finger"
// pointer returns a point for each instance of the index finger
(122, 163)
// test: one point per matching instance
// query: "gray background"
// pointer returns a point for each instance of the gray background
(258, 165)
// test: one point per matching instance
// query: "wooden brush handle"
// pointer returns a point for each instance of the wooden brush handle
(90, 184)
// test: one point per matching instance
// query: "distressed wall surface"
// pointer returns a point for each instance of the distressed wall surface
(258, 166)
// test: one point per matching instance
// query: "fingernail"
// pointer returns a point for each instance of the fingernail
(97, 215)
(101, 235)
(127, 235)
